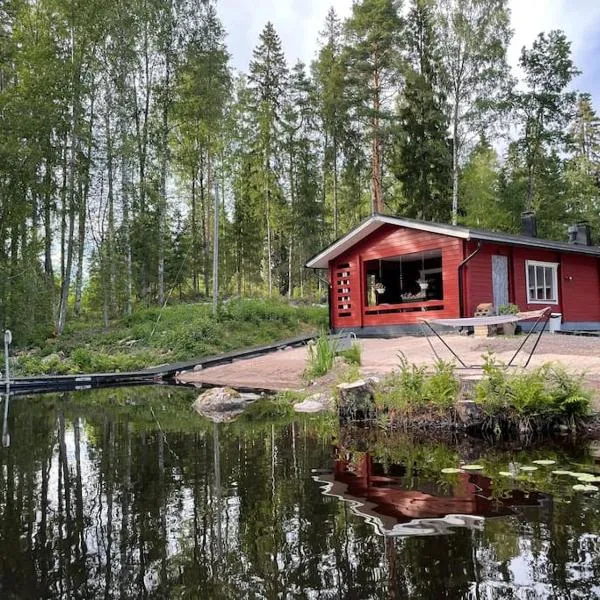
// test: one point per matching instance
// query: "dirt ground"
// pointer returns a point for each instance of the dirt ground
(283, 370)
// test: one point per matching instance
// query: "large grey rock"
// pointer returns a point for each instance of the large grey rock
(314, 404)
(221, 405)
(356, 401)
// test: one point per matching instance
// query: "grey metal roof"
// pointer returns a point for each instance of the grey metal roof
(368, 226)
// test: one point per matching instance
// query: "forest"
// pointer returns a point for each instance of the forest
(129, 144)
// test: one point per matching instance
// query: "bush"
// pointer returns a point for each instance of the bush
(412, 386)
(548, 392)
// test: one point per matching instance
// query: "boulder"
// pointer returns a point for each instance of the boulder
(221, 405)
(356, 401)
(314, 404)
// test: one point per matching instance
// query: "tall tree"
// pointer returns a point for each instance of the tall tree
(267, 81)
(423, 157)
(329, 75)
(546, 107)
(373, 35)
(474, 37)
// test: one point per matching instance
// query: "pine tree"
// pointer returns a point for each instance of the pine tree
(267, 82)
(422, 155)
(329, 75)
(373, 35)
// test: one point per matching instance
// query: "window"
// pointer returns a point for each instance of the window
(415, 277)
(542, 282)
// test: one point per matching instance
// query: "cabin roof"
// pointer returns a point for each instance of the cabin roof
(374, 222)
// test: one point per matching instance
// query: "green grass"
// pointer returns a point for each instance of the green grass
(179, 332)
(321, 355)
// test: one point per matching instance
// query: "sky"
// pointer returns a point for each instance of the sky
(299, 22)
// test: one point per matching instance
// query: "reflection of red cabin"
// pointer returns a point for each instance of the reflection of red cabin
(388, 271)
(383, 502)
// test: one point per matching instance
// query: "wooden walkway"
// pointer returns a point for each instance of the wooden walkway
(155, 375)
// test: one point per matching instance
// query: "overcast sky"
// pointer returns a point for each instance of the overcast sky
(298, 23)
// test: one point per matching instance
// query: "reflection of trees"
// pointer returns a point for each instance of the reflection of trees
(101, 502)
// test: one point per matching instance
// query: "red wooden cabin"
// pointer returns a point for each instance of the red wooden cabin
(387, 272)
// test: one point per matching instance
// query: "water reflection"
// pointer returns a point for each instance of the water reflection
(101, 497)
(404, 505)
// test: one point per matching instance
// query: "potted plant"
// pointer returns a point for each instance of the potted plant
(509, 309)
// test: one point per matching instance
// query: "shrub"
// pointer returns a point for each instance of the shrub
(546, 393)
(412, 386)
(441, 388)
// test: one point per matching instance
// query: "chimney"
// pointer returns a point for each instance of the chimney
(528, 224)
(580, 234)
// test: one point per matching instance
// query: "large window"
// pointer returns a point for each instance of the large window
(542, 282)
(404, 279)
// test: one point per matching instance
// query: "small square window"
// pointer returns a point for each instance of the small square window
(542, 282)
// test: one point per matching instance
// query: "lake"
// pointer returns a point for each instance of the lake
(129, 494)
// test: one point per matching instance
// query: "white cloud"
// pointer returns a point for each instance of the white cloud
(299, 22)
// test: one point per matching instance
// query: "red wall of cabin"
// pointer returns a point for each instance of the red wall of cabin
(389, 241)
(578, 280)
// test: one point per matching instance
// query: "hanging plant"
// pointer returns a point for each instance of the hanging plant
(380, 288)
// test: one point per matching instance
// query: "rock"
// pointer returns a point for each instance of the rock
(50, 358)
(356, 401)
(469, 413)
(221, 405)
(314, 404)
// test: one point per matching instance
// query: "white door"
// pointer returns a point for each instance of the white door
(500, 280)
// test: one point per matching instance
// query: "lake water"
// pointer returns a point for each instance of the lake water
(130, 494)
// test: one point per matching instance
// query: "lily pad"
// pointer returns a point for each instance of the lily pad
(588, 478)
(544, 462)
(528, 469)
(473, 467)
(505, 474)
(585, 488)
(578, 475)
(568, 473)
(451, 471)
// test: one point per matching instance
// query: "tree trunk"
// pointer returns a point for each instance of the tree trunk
(455, 172)
(376, 146)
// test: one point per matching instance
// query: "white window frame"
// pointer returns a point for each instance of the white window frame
(550, 265)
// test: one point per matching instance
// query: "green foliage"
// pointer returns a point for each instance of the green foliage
(153, 336)
(414, 386)
(548, 392)
(321, 355)
(353, 355)
(508, 309)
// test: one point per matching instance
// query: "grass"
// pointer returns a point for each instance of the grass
(179, 332)
(322, 354)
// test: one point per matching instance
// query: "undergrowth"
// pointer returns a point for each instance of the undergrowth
(154, 336)
(531, 401)
(414, 387)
